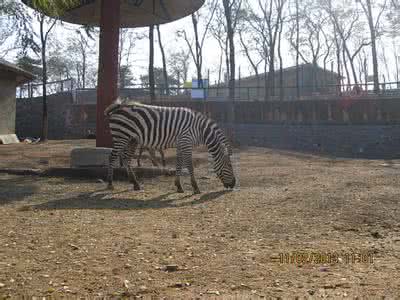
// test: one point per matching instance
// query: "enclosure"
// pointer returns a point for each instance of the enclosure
(72, 237)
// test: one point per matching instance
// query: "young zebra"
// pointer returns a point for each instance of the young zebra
(136, 125)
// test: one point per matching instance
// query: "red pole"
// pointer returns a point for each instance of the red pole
(107, 89)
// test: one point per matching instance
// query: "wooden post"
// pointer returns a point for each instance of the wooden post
(107, 90)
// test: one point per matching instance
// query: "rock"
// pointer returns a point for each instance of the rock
(329, 286)
(376, 234)
(171, 268)
(74, 247)
(2, 285)
(311, 292)
(177, 285)
(126, 284)
(213, 293)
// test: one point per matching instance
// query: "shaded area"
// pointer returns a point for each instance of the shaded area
(103, 199)
(16, 189)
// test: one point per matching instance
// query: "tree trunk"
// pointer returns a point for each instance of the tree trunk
(230, 32)
(297, 50)
(45, 125)
(165, 74)
(373, 47)
(198, 51)
(151, 64)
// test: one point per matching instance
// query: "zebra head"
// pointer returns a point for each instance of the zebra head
(224, 169)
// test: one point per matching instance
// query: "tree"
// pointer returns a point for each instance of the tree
(30, 64)
(231, 22)
(159, 81)
(199, 39)
(247, 38)
(267, 24)
(373, 25)
(164, 62)
(350, 30)
(179, 63)
(125, 76)
(44, 34)
(79, 46)
(151, 64)
(15, 22)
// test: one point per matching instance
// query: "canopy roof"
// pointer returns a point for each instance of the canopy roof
(134, 13)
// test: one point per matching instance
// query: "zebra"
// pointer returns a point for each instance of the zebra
(133, 125)
(152, 157)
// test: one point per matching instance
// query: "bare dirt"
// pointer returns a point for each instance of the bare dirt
(74, 238)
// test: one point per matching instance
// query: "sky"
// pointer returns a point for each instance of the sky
(211, 51)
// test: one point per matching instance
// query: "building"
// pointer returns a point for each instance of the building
(314, 81)
(10, 77)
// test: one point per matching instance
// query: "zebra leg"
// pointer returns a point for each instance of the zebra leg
(179, 162)
(127, 164)
(153, 157)
(114, 156)
(189, 164)
(162, 158)
(131, 175)
(139, 156)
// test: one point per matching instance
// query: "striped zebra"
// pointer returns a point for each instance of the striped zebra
(136, 125)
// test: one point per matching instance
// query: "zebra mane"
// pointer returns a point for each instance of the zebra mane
(118, 103)
(112, 107)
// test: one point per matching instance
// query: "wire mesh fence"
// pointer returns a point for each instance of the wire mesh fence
(217, 92)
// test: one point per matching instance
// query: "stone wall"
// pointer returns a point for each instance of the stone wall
(29, 115)
(354, 128)
(358, 141)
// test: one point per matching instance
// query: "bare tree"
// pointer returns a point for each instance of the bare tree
(199, 38)
(164, 62)
(267, 24)
(44, 34)
(179, 63)
(373, 25)
(151, 64)
(231, 9)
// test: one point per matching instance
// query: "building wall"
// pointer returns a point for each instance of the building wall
(7, 106)
(312, 81)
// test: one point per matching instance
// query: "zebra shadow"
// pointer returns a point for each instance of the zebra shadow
(103, 199)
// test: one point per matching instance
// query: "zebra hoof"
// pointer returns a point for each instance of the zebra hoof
(136, 188)
(180, 191)
(110, 187)
(196, 192)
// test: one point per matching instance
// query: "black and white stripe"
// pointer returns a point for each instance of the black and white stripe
(136, 125)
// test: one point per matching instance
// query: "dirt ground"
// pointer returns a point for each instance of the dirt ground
(74, 238)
